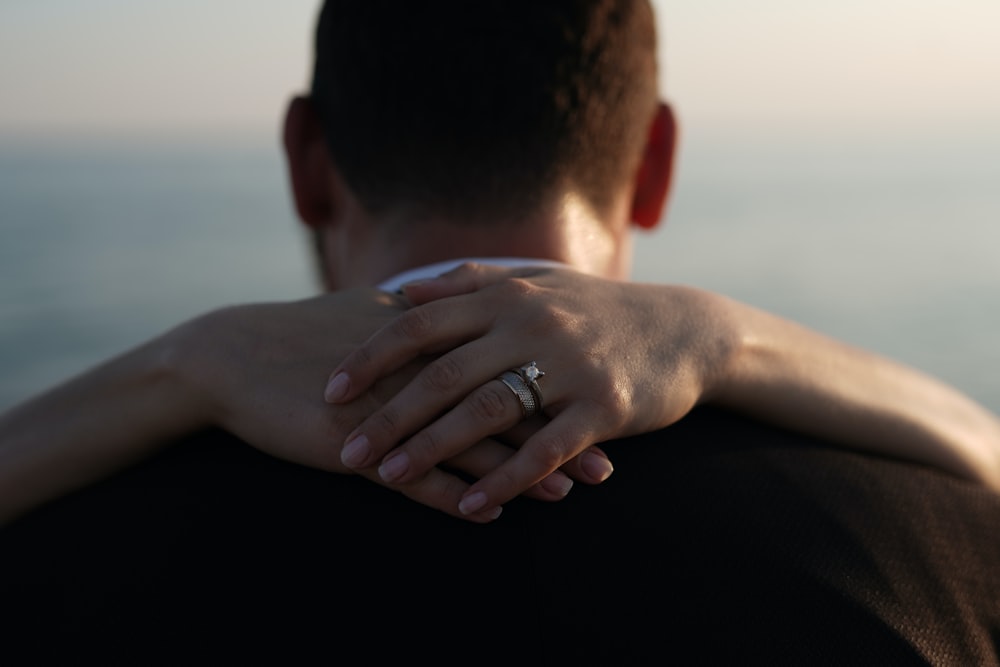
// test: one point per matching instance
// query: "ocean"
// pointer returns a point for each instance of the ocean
(890, 244)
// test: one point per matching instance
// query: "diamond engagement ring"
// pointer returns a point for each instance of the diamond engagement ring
(523, 382)
(531, 373)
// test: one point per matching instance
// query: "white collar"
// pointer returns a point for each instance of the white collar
(434, 270)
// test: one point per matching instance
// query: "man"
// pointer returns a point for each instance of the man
(718, 540)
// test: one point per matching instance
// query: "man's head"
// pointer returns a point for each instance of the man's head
(482, 113)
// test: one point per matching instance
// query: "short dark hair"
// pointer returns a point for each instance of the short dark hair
(480, 109)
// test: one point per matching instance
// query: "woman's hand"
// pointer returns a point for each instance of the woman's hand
(618, 358)
(624, 358)
(256, 371)
(262, 367)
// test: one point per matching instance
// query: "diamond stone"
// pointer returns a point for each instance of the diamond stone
(531, 372)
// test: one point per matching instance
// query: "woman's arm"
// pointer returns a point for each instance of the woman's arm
(802, 380)
(256, 371)
(627, 358)
(92, 426)
(623, 359)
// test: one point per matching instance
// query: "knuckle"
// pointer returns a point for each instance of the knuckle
(558, 317)
(340, 422)
(549, 452)
(489, 405)
(442, 374)
(609, 418)
(361, 357)
(509, 480)
(554, 319)
(449, 494)
(428, 445)
(414, 324)
(443, 494)
(610, 405)
(518, 287)
(468, 270)
(383, 424)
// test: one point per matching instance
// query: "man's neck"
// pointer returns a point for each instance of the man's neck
(364, 252)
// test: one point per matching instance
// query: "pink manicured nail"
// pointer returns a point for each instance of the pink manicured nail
(557, 484)
(597, 467)
(494, 513)
(355, 452)
(472, 503)
(394, 467)
(337, 388)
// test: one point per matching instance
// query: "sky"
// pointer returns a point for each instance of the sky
(98, 67)
(925, 71)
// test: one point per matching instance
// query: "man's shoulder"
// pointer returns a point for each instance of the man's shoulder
(719, 534)
(750, 473)
(846, 541)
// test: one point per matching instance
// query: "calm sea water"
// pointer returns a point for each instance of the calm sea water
(890, 245)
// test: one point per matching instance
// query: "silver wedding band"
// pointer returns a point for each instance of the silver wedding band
(523, 382)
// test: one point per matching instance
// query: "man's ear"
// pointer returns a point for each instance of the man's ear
(656, 171)
(309, 166)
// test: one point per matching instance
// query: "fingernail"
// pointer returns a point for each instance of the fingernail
(557, 484)
(337, 388)
(597, 467)
(394, 467)
(355, 452)
(472, 503)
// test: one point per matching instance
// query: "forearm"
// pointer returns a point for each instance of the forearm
(92, 426)
(256, 371)
(803, 380)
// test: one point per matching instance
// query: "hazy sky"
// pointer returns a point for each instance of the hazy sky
(137, 65)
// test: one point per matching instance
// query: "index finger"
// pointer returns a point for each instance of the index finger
(439, 490)
(455, 312)
(562, 439)
(421, 330)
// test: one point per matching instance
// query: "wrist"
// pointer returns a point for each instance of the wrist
(66, 438)
(724, 340)
(181, 366)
